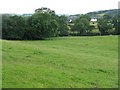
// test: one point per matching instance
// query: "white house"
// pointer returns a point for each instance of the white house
(93, 20)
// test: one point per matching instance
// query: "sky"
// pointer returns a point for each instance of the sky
(60, 6)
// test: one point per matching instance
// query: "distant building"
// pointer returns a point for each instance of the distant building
(70, 21)
(93, 20)
(72, 18)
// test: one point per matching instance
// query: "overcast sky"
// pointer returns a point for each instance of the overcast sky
(60, 6)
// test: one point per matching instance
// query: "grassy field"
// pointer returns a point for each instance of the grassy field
(66, 62)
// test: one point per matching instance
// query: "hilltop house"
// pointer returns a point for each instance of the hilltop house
(93, 20)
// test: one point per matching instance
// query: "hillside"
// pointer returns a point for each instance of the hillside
(98, 14)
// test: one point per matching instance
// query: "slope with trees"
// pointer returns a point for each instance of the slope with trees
(45, 23)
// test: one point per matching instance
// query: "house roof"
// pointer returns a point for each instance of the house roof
(93, 19)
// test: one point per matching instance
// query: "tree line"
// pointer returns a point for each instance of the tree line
(44, 23)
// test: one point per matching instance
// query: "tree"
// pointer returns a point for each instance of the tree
(13, 27)
(105, 25)
(38, 26)
(43, 25)
(63, 27)
(116, 22)
(81, 25)
(45, 10)
(86, 16)
(102, 25)
(91, 27)
(5, 27)
(107, 17)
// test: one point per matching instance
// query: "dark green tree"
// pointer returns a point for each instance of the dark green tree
(116, 22)
(81, 25)
(105, 25)
(63, 27)
(43, 25)
(45, 10)
(13, 27)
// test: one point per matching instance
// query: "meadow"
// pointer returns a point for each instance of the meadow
(62, 62)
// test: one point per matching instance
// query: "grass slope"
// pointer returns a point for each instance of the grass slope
(64, 62)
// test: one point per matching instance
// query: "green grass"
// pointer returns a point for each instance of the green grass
(66, 62)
